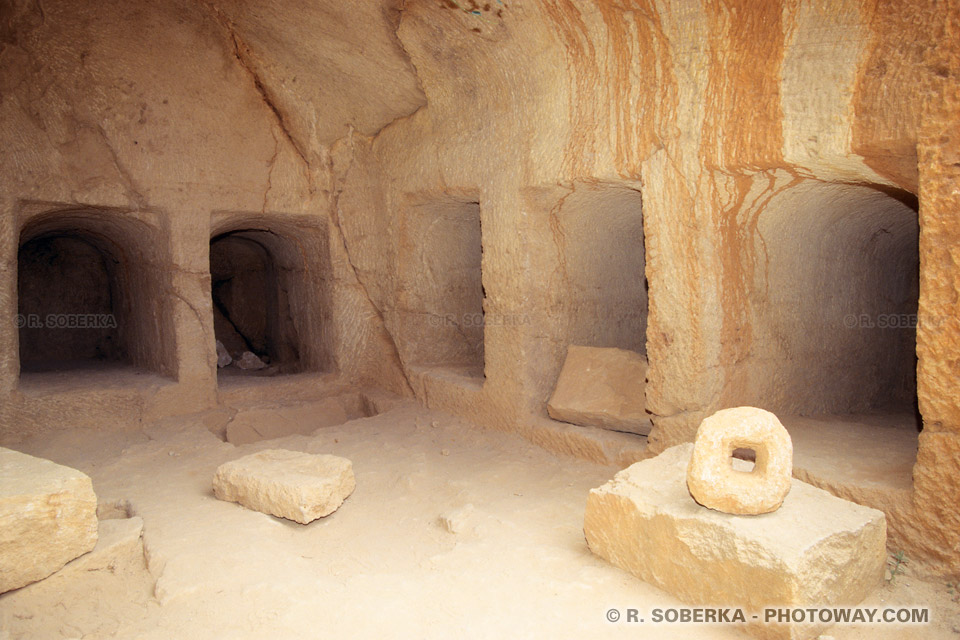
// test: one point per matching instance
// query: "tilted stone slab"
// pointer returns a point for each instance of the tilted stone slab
(119, 548)
(815, 550)
(289, 484)
(48, 517)
(602, 387)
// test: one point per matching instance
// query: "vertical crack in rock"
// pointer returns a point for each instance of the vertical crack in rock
(338, 188)
(133, 191)
(560, 237)
(395, 17)
(243, 53)
(271, 164)
(400, 12)
(196, 312)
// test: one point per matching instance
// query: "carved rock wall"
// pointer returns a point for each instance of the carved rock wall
(761, 171)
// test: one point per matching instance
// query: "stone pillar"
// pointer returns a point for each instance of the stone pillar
(685, 318)
(192, 312)
(938, 331)
(937, 472)
(9, 335)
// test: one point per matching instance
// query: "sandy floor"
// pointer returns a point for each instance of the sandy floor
(452, 532)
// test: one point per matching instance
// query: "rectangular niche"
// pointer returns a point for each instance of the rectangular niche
(832, 328)
(91, 291)
(593, 281)
(835, 330)
(441, 292)
(271, 292)
(602, 294)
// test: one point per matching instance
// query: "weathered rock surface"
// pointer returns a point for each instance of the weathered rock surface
(762, 236)
(48, 517)
(119, 546)
(602, 387)
(816, 549)
(288, 484)
(715, 483)
(254, 425)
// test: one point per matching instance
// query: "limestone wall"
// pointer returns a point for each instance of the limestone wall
(772, 149)
(719, 185)
(144, 130)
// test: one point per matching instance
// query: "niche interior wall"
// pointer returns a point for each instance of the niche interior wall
(91, 291)
(594, 281)
(834, 307)
(270, 280)
(440, 295)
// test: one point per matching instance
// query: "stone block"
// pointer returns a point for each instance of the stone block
(288, 484)
(48, 517)
(816, 550)
(602, 387)
(715, 483)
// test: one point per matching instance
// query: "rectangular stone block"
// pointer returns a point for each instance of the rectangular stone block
(602, 387)
(48, 517)
(815, 550)
(289, 484)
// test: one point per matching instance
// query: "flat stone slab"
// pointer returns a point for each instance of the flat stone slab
(815, 550)
(254, 425)
(48, 517)
(602, 387)
(119, 547)
(289, 484)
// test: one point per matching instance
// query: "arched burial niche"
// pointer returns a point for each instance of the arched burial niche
(833, 330)
(440, 303)
(269, 288)
(90, 291)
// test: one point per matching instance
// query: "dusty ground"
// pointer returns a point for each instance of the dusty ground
(452, 532)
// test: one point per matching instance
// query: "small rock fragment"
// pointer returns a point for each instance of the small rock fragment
(459, 520)
(249, 361)
(223, 356)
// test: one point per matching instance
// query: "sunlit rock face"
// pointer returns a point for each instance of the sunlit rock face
(758, 197)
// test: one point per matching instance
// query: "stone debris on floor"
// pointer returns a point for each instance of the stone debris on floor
(288, 484)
